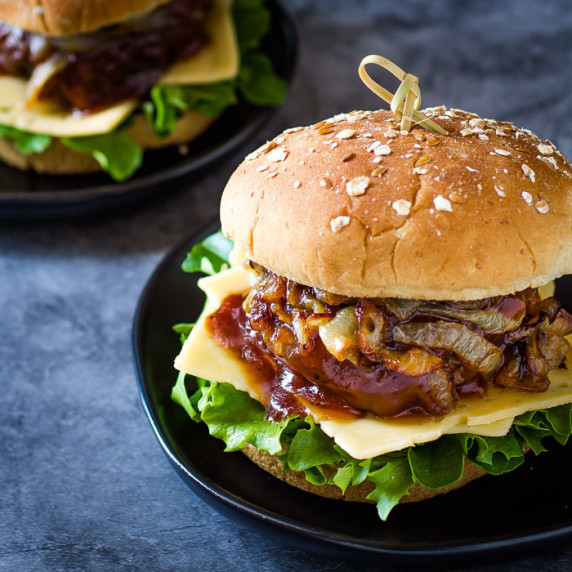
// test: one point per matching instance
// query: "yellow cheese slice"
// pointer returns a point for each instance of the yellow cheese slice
(216, 62)
(50, 120)
(369, 436)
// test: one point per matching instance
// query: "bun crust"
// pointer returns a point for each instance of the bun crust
(65, 17)
(58, 159)
(357, 493)
(355, 207)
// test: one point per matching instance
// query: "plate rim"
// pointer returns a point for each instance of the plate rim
(364, 549)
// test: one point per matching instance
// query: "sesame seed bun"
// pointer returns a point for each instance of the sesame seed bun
(58, 159)
(355, 207)
(64, 17)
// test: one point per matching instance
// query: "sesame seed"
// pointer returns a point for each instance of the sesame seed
(376, 160)
(542, 206)
(262, 168)
(334, 145)
(272, 175)
(545, 149)
(483, 137)
(434, 141)
(404, 132)
(500, 132)
(420, 170)
(401, 207)
(346, 134)
(500, 191)
(348, 157)
(336, 224)
(442, 204)
(277, 154)
(527, 197)
(297, 184)
(325, 183)
(357, 186)
(502, 152)
(471, 170)
(391, 133)
(373, 146)
(528, 172)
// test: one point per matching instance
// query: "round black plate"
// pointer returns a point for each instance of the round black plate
(28, 195)
(492, 518)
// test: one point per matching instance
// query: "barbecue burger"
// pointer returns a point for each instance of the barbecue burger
(86, 86)
(389, 304)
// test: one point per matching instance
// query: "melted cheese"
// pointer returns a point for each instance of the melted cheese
(219, 60)
(368, 436)
(216, 62)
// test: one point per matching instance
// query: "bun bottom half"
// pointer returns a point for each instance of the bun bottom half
(58, 159)
(358, 493)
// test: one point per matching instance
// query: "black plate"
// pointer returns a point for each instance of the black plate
(28, 195)
(492, 518)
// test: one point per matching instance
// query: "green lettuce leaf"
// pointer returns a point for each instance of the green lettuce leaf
(438, 464)
(209, 256)
(258, 83)
(179, 395)
(24, 141)
(115, 152)
(392, 483)
(256, 80)
(237, 419)
(168, 103)
(184, 330)
(252, 23)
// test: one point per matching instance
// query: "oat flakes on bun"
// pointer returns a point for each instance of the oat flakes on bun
(389, 302)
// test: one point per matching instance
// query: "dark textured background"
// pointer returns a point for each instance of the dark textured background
(84, 484)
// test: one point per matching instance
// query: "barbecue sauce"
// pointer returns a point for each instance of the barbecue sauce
(313, 376)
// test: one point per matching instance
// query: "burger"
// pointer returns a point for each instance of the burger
(381, 323)
(86, 86)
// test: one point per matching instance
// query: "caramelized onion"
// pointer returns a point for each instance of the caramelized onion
(472, 349)
(492, 320)
(339, 335)
(562, 324)
(413, 362)
(374, 330)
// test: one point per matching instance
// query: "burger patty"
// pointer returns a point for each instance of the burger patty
(389, 356)
(120, 62)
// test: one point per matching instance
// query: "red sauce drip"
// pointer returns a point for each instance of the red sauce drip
(282, 392)
(312, 375)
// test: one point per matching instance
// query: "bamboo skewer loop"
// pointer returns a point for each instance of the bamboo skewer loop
(406, 101)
